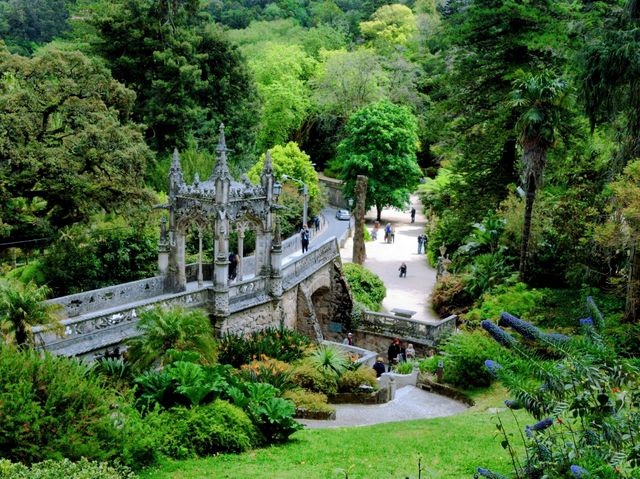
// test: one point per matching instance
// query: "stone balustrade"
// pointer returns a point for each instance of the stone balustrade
(425, 333)
(304, 266)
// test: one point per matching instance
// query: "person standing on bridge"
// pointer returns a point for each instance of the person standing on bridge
(304, 238)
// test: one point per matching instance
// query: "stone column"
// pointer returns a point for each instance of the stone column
(276, 263)
(240, 253)
(182, 274)
(163, 249)
(359, 253)
(221, 271)
(263, 250)
(200, 278)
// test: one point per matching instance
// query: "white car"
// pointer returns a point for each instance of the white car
(343, 215)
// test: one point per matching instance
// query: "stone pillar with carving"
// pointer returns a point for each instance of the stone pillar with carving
(222, 180)
(359, 252)
(176, 182)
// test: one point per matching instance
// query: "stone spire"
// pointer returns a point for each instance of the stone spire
(221, 169)
(268, 167)
(175, 174)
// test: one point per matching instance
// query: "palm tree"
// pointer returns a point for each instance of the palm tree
(542, 101)
(21, 307)
(175, 328)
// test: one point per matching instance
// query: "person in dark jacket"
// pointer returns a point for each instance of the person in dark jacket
(379, 367)
(393, 352)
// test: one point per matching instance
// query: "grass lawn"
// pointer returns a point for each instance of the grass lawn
(451, 448)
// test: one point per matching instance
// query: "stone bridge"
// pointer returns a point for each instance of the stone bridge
(313, 291)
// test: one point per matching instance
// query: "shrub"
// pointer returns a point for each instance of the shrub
(271, 414)
(205, 430)
(464, 357)
(487, 271)
(54, 407)
(450, 296)
(367, 287)
(64, 468)
(181, 383)
(350, 381)
(277, 343)
(164, 330)
(517, 298)
(329, 359)
(307, 376)
(308, 401)
(404, 367)
(271, 371)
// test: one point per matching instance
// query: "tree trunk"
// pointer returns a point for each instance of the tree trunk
(526, 228)
(378, 212)
(632, 309)
(359, 253)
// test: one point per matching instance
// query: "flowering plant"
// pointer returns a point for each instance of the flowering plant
(586, 403)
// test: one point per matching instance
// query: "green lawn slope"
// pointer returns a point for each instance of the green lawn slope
(450, 448)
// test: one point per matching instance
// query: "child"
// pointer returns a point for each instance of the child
(403, 270)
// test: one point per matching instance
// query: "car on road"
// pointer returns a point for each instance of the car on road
(343, 215)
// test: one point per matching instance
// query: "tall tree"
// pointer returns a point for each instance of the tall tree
(187, 76)
(68, 148)
(611, 89)
(542, 101)
(380, 143)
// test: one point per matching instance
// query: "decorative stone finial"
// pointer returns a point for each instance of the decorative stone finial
(221, 169)
(196, 179)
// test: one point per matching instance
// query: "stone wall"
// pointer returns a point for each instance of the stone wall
(333, 189)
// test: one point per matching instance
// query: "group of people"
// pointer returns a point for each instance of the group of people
(396, 353)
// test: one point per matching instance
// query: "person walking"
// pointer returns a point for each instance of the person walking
(420, 243)
(425, 239)
(413, 215)
(393, 234)
(403, 270)
(304, 238)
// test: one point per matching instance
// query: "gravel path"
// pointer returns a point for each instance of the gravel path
(414, 291)
(409, 403)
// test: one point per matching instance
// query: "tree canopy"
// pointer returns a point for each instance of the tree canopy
(68, 147)
(187, 76)
(381, 142)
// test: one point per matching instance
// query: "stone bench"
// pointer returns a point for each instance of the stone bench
(403, 313)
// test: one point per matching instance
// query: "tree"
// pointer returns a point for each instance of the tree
(68, 148)
(187, 76)
(26, 23)
(21, 307)
(380, 143)
(542, 101)
(623, 230)
(281, 72)
(610, 84)
(391, 26)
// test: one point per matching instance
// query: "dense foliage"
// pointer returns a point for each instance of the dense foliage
(367, 288)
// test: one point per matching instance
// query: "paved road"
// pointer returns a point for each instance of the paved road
(414, 291)
(409, 403)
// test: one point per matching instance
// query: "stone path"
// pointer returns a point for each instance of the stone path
(409, 403)
(414, 291)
